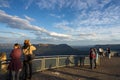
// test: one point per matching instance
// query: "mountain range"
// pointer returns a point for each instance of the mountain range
(52, 49)
(61, 49)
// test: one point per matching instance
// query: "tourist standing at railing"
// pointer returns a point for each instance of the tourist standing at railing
(101, 52)
(92, 56)
(15, 64)
(28, 56)
(108, 53)
(97, 55)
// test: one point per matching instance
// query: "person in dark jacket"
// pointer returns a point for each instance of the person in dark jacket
(15, 64)
(109, 53)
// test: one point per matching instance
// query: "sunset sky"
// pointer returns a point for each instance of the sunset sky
(73, 22)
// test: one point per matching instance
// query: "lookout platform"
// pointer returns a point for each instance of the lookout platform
(109, 69)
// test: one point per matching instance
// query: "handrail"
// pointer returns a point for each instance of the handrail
(41, 63)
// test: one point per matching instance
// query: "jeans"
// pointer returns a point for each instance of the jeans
(27, 69)
(92, 63)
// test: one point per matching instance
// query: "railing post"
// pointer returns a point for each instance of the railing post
(71, 60)
(43, 64)
(57, 61)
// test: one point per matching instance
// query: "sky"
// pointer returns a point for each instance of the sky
(72, 22)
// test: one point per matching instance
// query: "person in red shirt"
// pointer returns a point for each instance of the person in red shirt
(15, 64)
(92, 57)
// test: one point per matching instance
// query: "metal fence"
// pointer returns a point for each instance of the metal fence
(49, 62)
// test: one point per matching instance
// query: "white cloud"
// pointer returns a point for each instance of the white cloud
(13, 33)
(53, 4)
(19, 23)
(29, 18)
(95, 25)
(64, 26)
(72, 4)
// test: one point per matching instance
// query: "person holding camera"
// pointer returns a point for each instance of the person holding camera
(28, 56)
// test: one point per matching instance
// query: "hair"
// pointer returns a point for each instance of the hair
(26, 44)
(17, 45)
(3, 56)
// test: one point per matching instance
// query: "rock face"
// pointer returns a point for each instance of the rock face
(51, 49)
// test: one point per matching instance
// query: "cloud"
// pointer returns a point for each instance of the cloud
(29, 4)
(13, 33)
(28, 18)
(57, 16)
(72, 4)
(23, 24)
(4, 3)
(64, 26)
(94, 24)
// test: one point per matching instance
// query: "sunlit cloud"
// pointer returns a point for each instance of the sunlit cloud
(23, 24)
(72, 20)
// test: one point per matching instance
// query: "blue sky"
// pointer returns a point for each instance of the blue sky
(73, 22)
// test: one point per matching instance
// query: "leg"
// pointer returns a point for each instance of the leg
(30, 69)
(13, 75)
(9, 75)
(95, 63)
(17, 73)
(25, 70)
(91, 64)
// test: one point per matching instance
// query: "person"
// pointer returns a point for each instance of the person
(97, 56)
(15, 64)
(68, 61)
(108, 52)
(28, 49)
(92, 57)
(82, 59)
(101, 51)
(3, 58)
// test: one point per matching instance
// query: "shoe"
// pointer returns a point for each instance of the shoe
(95, 67)
(29, 78)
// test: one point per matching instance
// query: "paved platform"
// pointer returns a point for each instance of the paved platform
(109, 69)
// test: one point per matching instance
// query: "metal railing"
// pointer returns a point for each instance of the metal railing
(41, 63)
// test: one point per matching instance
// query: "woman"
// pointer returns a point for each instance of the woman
(15, 64)
(92, 57)
(28, 56)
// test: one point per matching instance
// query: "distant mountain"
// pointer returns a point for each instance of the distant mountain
(6, 46)
(52, 49)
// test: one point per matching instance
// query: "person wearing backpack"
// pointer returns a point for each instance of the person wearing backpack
(28, 49)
